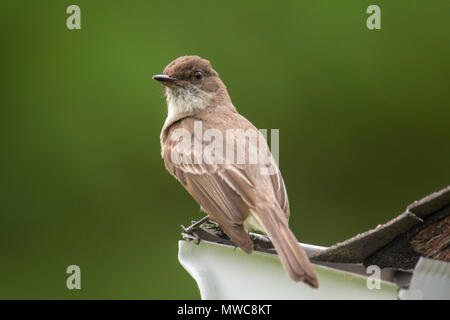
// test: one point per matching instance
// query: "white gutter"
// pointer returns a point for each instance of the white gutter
(223, 272)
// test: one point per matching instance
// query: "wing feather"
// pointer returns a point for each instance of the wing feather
(225, 191)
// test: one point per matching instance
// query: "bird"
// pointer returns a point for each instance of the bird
(241, 196)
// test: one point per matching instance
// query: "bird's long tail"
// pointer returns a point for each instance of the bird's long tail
(292, 255)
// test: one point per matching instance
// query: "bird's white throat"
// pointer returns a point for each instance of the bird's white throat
(184, 100)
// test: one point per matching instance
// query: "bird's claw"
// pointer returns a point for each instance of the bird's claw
(194, 226)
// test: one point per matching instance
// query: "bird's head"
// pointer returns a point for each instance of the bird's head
(191, 84)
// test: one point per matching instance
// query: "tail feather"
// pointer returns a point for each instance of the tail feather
(292, 255)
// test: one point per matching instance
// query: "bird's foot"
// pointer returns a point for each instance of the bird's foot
(193, 227)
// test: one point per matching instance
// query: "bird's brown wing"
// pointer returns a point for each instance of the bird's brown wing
(279, 189)
(274, 180)
(224, 191)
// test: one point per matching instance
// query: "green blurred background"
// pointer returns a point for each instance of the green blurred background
(364, 120)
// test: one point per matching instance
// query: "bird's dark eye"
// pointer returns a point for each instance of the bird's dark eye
(197, 74)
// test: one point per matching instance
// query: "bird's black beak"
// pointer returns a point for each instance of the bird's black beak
(164, 78)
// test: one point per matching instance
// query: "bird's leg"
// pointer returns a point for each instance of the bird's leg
(195, 225)
(191, 230)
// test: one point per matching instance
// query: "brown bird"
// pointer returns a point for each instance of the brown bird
(238, 195)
